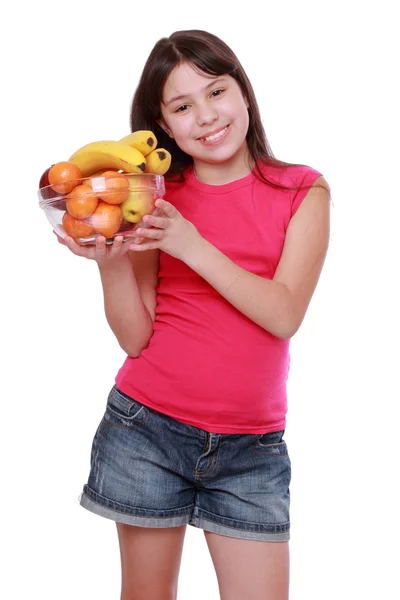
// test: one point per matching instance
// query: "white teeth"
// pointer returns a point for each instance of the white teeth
(214, 137)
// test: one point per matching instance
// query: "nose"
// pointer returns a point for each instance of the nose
(206, 114)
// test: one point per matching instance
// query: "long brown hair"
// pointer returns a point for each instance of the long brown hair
(206, 53)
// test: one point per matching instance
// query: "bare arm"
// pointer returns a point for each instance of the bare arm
(129, 287)
(278, 305)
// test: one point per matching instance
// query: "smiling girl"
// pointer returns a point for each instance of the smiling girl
(204, 307)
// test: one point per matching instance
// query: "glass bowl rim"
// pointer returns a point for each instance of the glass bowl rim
(159, 183)
(157, 176)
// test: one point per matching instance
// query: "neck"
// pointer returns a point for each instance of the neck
(224, 172)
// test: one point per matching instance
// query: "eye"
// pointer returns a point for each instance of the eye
(182, 108)
(217, 93)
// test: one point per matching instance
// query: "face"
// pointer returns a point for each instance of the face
(206, 115)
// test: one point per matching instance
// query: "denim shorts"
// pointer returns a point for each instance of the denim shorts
(150, 470)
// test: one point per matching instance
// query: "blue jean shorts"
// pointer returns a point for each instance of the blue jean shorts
(150, 470)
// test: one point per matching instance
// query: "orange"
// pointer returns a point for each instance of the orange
(63, 177)
(82, 201)
(117, 187)
(106, 219)
(76, 228)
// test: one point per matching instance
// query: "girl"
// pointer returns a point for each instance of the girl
(204, 304)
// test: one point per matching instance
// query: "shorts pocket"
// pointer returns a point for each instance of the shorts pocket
(272, 443)
(123, 411)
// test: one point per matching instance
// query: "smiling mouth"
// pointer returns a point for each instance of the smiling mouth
(216, 136)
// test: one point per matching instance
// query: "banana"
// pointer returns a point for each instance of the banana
(108, 155)
(143, 140)
(158, 161)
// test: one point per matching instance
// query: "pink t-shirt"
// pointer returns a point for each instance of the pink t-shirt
(207, 364)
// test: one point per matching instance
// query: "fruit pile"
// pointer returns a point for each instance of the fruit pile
(106, 186)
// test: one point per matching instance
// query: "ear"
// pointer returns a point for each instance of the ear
(165, 127)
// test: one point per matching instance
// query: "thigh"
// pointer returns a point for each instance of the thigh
(250, 569)
(150, 561)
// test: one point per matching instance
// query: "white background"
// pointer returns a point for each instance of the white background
(325, 77)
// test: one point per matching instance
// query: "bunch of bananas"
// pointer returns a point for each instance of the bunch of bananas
(134, 153)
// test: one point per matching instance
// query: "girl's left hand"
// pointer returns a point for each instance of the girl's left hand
(169, 231)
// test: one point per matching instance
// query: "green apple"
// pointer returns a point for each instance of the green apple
(137, 205)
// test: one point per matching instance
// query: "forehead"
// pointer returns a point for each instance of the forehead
(185, 80)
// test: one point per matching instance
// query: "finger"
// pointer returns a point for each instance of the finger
(160, 222)
(154, 234)
(127, 242)
(134, 239)
(166, 207)
(116, 246)
(101, 249)
(144, 246)
(73, 246)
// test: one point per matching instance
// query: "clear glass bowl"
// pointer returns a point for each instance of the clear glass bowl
(97, 205)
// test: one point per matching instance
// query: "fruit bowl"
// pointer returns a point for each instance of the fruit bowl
(108, 204)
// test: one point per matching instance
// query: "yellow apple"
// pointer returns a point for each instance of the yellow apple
(137, 205)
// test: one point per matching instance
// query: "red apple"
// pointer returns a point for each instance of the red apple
(47, 192)
(44, 180)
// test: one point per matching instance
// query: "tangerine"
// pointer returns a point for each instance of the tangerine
(76, 228)
(116, 187)
(106, 219)
(82, 201)
(63, 175)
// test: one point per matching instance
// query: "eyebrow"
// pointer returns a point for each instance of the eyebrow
(207, 87)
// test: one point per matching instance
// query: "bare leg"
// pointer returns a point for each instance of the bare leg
(249, 569)
(150, 561)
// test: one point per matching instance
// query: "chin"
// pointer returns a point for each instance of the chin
(225, 157)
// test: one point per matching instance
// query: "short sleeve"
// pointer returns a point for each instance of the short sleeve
(305, 177)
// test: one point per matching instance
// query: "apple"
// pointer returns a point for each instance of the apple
(137, 205)
(44, 182)
(47, 192)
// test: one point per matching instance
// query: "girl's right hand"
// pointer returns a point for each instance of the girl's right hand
(100, 251)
